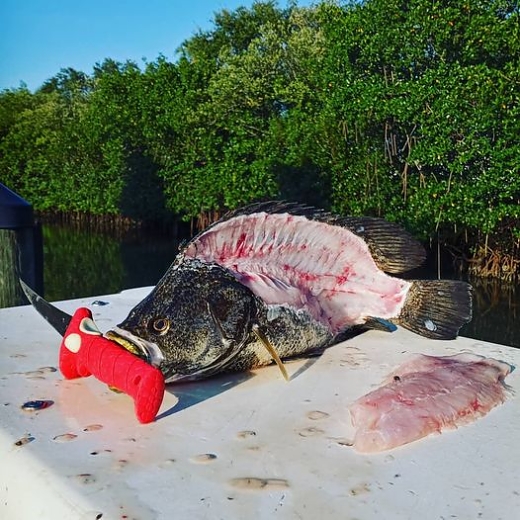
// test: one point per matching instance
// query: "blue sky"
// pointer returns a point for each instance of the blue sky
(40, 37)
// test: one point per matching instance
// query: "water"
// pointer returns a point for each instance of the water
(80, 263)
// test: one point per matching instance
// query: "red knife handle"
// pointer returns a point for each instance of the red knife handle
(84, 352)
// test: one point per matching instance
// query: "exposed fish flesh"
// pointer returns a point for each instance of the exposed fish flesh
(425, 395)
(276, 280)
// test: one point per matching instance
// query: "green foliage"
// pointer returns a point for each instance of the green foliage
(407, 110)
(427, 98)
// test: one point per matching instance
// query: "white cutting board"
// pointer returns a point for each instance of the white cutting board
(240, 446)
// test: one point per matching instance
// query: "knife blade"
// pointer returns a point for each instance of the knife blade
(57, 318)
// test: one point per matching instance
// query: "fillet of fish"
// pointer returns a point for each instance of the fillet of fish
(428, 394)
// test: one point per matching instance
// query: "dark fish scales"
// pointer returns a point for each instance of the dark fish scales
(290, 278)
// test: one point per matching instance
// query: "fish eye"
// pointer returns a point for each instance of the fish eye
(159, 325)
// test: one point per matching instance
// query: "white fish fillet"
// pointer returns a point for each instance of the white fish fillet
(425, 395)
(287, 259)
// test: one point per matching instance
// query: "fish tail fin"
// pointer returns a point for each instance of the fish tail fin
(436, 309)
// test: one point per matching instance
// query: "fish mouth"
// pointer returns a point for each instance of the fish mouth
(146, 350)
(150, 352)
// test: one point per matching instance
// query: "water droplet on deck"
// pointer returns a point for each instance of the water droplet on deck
(34, 406)
(26, 439)
(310, 432)
(65, 437)
(203, 458)
(167, 463)
(430, 325)
(344, 441)
(316, 415)
(360, 489)
(93, 428)
(85, 478)
(253, 483)
(245, 434)
(91, 515)
(39, 373)
(100, 452)
(47, 370)
(99, 303)
(120, 464)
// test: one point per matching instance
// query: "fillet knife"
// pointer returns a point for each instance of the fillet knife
(84, 351)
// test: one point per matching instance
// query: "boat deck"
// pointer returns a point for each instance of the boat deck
(239, 446)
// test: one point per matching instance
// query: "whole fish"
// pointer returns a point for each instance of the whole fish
(278, 280)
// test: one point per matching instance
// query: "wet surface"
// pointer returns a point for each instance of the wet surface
(35, 406)
(40, 373)
(65, 437)
(101, 452)
(26, 439)
(93, 428)
(254, 483)
(246, 434)
(311, 431)
(84, 478)
(204, 458)
(317, 415)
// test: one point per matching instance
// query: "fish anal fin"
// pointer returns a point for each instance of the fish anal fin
(374, 323)
(371, 323)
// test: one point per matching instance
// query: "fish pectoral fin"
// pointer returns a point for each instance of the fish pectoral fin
(268, 345)
(225, 340)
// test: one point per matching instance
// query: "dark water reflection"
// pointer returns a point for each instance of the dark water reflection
(496, 313)
(81, 263)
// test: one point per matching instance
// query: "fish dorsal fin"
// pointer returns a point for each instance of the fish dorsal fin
(271, 207)
(393, 249)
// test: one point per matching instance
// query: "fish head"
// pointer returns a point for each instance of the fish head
(194, 322)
